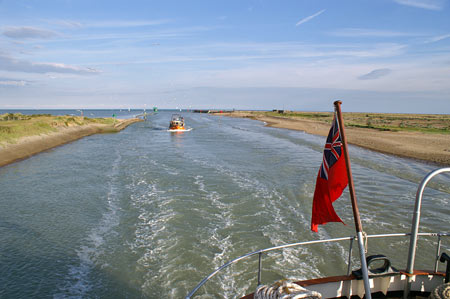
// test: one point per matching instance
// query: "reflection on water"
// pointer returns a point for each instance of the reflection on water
(149, 213)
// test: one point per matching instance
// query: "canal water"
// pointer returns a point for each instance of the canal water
(146, 213)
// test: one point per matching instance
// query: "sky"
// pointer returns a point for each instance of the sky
(374, 55)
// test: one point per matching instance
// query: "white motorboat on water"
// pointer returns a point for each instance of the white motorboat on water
(177, 124)
(377, 277)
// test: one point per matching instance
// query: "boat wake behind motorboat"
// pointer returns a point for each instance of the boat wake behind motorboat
(180, 130)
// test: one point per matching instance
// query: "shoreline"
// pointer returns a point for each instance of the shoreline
(428, 147)
(30, 146)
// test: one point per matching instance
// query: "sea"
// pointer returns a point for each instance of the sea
(147, 213)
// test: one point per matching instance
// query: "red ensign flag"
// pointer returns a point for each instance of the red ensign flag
(331, 180)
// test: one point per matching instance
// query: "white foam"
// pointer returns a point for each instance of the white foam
(77, 282)
(166, 168)
(200, 182)
(153, 239)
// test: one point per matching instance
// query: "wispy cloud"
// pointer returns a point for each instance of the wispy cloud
(361, 32)
(65, 23)
(79, 24)
(375, 74)
(15, 65)
(438, 38)
(153, 35)
(304, 20)
(28, 33)
(425, 4)
(12, 82)
(246, 52)
(124, 24)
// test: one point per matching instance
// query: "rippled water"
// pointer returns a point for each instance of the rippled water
(148, 213)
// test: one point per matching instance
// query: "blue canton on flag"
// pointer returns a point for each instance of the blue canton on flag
(332, 150)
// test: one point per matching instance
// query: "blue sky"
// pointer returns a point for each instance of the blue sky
(376, 56)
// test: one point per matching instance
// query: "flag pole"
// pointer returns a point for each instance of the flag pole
(351, 187)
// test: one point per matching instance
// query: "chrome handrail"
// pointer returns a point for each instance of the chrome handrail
(416, 218)
(411, 256)
(415, 226)
(260, 252)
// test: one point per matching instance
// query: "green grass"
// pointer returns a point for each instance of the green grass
(326, 117)
(425, 123)
(11, 132)
(16, 126)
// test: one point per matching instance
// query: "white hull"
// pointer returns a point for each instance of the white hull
(347, 286)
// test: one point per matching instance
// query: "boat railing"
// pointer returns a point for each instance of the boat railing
(351, 239)
(413, 241)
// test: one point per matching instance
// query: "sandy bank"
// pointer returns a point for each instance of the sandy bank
(29, 146)
(429, 147)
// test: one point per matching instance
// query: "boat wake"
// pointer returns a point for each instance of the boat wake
(78, 281)
(179, 130)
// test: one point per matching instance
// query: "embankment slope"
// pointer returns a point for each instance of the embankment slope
(430, 147)
(28, 146)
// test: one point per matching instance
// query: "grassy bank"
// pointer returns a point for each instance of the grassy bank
(427, 123)
(418, 136)
(15, 126)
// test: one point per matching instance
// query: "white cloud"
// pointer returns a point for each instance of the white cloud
(124, 24)
(65, 23)
(15, 65)
(12, 82)
(78, 24)
(28, 33)
(139, 36)
(438, 38)
(423, 76)
(375, 74)
(425, 4)
(304, 20)
(360, 32)
(249, 52)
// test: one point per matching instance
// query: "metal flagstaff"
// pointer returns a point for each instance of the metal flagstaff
(356, 217)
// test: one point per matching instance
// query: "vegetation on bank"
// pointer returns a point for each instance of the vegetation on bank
(427, 123)
(14, 126)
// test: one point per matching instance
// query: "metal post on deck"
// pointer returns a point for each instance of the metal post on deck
(259, 267)
(351, 187)
(350, 251)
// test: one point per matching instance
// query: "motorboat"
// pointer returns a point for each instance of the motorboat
(177, 124)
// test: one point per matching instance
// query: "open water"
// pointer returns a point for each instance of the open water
(145, 213)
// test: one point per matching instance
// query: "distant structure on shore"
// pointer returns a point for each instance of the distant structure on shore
(211, 111)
